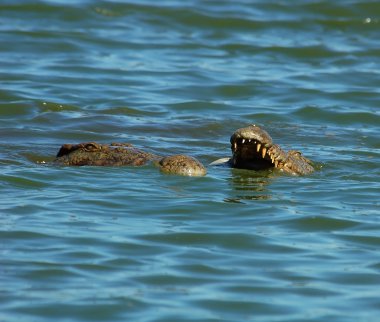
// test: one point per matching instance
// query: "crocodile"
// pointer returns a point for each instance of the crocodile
(125, 154)
(252, 148)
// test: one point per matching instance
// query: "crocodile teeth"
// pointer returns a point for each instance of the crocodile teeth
(258, 147)
(263, 152)
(276, 163)
(249, 141)
(243, 141)
(235, 146)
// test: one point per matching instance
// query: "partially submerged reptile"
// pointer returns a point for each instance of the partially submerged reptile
(125, 154)
(252, 148)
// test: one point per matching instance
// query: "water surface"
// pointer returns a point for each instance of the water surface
(132, 244)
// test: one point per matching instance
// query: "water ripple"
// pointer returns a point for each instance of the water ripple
(120, 244)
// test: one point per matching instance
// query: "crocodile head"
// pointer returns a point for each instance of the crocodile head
(249, 147)
(253, 148)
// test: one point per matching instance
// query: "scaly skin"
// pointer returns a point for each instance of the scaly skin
(253, 148)
(124, 154)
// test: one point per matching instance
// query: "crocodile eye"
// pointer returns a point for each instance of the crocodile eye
(91, 147)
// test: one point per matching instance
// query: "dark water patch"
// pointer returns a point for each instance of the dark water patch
(23, 182)
(49, 275)
(223, 242)
(365, 9)
(242, 309)
(372, 241)
(200, 239)
(105, 309)
(204, 270)
(306, 53)
(128, 112)
(19, 110)
(320, 223)
(332, 114)
(354, 278)
(72, 13)
(30, 235)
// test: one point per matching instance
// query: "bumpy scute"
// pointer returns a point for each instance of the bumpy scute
(182, 165)
(95, 154)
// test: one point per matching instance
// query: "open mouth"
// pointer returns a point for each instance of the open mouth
(251, 154)
(253, 148)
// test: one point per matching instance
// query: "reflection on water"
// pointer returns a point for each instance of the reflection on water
(250, 185)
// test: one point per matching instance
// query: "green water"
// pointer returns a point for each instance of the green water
(132, 244)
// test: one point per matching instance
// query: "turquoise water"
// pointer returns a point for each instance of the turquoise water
(132, 244)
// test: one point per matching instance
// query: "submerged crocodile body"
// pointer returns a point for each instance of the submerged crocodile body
(252, 148)
(124, 154)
